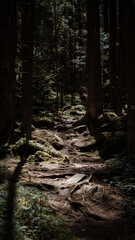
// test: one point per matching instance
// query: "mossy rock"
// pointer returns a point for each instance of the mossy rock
(31, 159)
(23, 149)
(57, 142)
(106, 117)
(47, 147)
(84, 145)
(118, 123)
(43, 122)
(61, 128)
(77, 110)
(43, 156)
(114, 143)
(80, 129)
(74, 110)
(67, 107)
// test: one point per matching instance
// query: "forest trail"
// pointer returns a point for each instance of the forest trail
(91, 209)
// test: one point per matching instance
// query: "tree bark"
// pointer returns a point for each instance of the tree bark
(13, 46)
(4, 72)
(27, 64)
(129, 15)
(112, 57)
(105, 15)
(121, 58)
(93, 66)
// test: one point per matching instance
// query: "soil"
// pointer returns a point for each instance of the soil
(92, 210)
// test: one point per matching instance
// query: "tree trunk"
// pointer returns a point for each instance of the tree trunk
(129, 15)
(13, 46)
(105, 69)
(121, 58)
(105, 15)
(98, 62)
(27, 65)
(112, 67)
(4, 72)
(56, 55)
(93, 66)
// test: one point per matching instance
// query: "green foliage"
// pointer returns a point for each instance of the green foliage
(33, 218)
(120, 173)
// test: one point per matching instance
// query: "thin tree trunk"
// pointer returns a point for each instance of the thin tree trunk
(122, 72)
(106, 30)
(27, 65)
(105, 15)
(112, 67)
(129, 15)
(56, 55)
(98, 62)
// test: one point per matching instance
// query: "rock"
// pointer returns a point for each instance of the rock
(74, 110)
(66, 107)
(118, 123)
(76, 178)
(80, 129)
(85, 145)
(77, 110)
(43, 122)
(67, 136)
(43, 156)
(106, 117)
(31, 158)
(37, 144)
(23, 149)
(61, 128)
(57, 142)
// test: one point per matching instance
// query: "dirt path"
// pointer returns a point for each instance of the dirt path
(91, 209)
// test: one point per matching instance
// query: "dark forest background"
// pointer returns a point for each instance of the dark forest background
(67, 67)
(53, 52)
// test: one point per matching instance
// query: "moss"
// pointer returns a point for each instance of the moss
(43, 156)
(80, 129)
(111, 122)
(23, 149)
(43, 122)
(57, 142)
(47, 147)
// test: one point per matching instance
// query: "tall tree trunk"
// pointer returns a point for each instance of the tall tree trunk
(56, 55)
(13, 46)
(79, 22)
(112, 67)
(28, 7)
(122, 72)
(105, 69)
(105, 15)
(4, 72)
(129, 15)
(98, 62)
(93, 66)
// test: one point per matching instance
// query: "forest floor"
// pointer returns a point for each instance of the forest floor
(91, 209)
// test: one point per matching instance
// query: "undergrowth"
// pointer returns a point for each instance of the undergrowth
(120, 172)
(33, 218)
